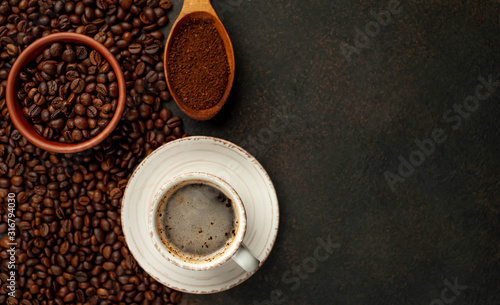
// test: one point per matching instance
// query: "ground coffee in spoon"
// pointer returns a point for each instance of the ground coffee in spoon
(198, 64)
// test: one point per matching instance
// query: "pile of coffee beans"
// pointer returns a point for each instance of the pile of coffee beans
(70, 248)
(69, 100)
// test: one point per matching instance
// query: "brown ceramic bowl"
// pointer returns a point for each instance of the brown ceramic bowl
(14, 107)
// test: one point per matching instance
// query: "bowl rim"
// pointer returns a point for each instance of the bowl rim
(14, 108)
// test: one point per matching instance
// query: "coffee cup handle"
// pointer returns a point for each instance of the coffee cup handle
(245, 259)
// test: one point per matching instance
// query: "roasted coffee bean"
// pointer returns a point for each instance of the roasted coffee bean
(56, 124)
(152, 49)
(165, 114)
(80, 109)
(78, 223)
(95, 58)
(115, 193)
(130, 262)
(69, 56)
(52, 87)
(77, 135)
(174, 122)
(102, 89)
(178, 132)
(135, 48)
(57, 103)
(15, 135)
(45, 116)
(151, 77)
(81, 52)
(56, 49)
(110, 238)
(34, 111)
(3, 168)
(67, 225)
(175, 297)
(4, 183)
(99, 234)
(113, 90)
(11, 160)
(165, 4)
(92, 111)
(149, 13)
(101, 78)
(72, 75)
(81, 122)
(90, 29)
(49, 68)
(145, 110)
(81, 277)
(102, 123)
(90, 88)
(162, 21)
(85, 99)
(40, 190)
(108, 266)
(11, 49)
(77, 85)
(16, 180)
(140, 68)
(100, 37)
(80, 296)
(39, 99)
(102, 293)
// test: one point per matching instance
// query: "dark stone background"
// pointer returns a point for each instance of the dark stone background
(348, 123)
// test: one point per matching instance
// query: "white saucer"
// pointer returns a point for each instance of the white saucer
(214, 156)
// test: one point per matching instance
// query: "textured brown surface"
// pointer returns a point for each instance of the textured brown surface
(348, 123)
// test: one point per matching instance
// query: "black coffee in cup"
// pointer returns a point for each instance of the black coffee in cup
(196, 221)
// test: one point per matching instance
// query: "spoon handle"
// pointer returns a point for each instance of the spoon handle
(196, 6)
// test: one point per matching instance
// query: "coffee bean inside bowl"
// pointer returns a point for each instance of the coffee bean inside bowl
(69, 93)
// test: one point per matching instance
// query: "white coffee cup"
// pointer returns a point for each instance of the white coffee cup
(194, 225)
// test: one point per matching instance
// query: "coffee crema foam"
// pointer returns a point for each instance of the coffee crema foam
(196, 221)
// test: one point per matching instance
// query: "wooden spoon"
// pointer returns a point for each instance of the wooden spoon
(200, 9)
